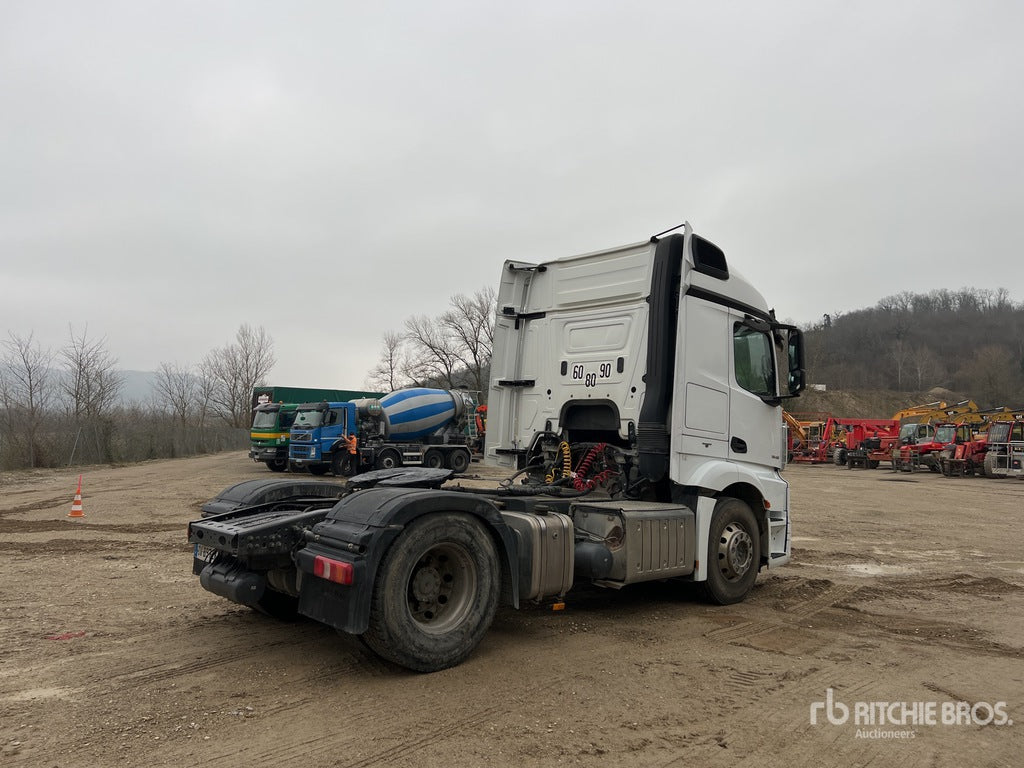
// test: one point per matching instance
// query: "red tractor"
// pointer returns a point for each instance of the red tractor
(988, 452)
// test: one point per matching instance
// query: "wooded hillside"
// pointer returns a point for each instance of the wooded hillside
(969, 341)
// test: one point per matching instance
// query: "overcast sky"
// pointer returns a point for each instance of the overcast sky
(171, 170)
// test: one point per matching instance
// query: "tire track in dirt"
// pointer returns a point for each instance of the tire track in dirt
(42, 526)
(92, 547)
(840, 607)
(408, 729)
(39, 505)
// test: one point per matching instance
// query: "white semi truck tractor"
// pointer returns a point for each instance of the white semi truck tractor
(635, 399)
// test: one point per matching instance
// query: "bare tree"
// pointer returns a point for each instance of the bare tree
(391, 372)
(235, 369)
(174, 394)
(91, 385)
(470, 322)
(206, 388)
(926, 365)
(26, 390)
(176, 391)
(899, 353)
(435, 354)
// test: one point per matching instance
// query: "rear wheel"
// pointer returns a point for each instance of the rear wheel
(734, 552)
(388, 458)
(433, 458)
(436, 593)
(458, 461)
(277, 465)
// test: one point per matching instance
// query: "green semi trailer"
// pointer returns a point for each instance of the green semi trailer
(273, 412)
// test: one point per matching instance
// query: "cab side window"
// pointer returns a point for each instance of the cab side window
(754, 361)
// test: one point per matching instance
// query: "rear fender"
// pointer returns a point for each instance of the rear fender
(362, 528)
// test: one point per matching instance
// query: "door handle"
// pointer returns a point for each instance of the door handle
(737, 445)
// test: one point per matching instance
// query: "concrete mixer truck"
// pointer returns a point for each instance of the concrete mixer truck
(417, 427)
(635, 400)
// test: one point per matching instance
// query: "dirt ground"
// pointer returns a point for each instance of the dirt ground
(904, 588)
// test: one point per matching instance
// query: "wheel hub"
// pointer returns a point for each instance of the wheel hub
(426, 584)
(735, 551)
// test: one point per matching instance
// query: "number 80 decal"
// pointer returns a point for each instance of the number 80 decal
(590, 378)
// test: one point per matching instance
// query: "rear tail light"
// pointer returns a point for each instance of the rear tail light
(333, 570)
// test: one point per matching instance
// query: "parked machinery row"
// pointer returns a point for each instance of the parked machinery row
(956, 439)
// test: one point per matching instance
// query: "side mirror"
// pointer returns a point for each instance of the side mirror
(797, 379)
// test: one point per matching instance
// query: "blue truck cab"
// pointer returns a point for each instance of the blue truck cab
(320, 435)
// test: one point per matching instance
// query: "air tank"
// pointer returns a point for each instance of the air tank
(412, 414)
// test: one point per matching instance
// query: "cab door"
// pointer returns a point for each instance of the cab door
(754, 413)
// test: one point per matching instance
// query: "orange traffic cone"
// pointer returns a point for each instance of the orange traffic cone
(76, 505)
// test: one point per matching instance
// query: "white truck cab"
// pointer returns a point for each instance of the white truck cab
(664, 351)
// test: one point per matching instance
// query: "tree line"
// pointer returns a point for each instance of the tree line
(64, 406)
(969, 341)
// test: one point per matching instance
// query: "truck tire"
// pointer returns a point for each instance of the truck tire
(343, 464)
(436, 593)
(319, 469)
(458, 461)
(388, 458)
(433, 459)
(277, 465)
(989, 464)
(734, 552)
(839, 457)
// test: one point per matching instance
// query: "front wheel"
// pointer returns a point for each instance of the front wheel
(319, 469)
(734, 552)
(343, 464)
(988, 465)
(436, 593)
(277, 465)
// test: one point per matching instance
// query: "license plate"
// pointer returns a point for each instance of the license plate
(203, 553)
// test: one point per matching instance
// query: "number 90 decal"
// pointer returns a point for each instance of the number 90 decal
(591, 373)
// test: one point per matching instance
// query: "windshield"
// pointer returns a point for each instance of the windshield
(908, 432)
(265, 420)
(997, 433)
(307, 419)
(945, 434)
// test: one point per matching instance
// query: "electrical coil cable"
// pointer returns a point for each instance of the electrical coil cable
(565, 453)
(581, 482)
